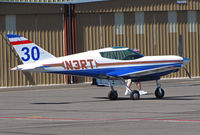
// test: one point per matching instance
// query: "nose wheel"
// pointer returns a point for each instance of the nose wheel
(159, 92)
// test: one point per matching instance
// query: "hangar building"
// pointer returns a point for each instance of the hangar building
(154, 26)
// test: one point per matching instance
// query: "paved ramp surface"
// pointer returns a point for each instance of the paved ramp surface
(85, 110)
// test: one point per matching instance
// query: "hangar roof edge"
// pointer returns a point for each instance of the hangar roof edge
(50, 1)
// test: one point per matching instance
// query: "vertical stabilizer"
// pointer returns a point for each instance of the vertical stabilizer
(28, 52)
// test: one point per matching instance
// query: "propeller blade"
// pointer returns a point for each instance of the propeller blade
(181, 45)
(181, 54)
(187, 72)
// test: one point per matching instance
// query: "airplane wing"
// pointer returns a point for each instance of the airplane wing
(144, 75)
(149, 72)
(153, 72)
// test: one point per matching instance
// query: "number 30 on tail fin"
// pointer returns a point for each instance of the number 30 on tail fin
(28, 52)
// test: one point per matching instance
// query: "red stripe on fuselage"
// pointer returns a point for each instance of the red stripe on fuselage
(21, 42)
(55, 65)
(135, 62)
(97, 65)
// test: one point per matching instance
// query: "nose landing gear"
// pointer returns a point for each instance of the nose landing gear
(159, 92)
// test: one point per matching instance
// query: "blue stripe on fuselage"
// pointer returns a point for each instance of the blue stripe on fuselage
(117, 71)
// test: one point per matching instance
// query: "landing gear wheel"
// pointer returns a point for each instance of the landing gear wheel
(113, 95)
(159, 93)
(134, 95)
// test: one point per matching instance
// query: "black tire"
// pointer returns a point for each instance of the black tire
(159, 93)
(134, 95)
(113, 95)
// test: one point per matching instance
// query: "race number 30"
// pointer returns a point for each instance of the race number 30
(34, 53)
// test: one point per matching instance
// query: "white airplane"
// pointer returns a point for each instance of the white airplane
(113, 63)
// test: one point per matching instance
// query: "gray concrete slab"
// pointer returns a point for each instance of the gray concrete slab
(84, 109)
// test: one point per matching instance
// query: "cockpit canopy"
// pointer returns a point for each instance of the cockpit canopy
(125, 54)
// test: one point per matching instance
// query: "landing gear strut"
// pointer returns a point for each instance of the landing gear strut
(159, 92)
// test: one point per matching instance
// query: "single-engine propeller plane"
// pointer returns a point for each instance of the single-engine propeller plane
(113, 63)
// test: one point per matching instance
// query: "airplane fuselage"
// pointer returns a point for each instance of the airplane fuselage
(92, 64)
(111, 64)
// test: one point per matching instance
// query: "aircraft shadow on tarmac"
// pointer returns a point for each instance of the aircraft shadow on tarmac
(186, 97)
(103, 99)
(52, 103)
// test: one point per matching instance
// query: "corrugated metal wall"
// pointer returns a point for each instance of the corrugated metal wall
(46, 30)
(2, 47)
(137, 5)
(97, 29)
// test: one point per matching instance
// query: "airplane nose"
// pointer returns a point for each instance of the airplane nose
(186, 60)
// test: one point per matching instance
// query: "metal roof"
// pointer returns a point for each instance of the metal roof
(50, 1)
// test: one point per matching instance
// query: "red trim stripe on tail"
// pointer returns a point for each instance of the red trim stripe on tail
(21, 42)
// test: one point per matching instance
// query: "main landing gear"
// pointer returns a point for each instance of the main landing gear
(134, 94)
(113, 95)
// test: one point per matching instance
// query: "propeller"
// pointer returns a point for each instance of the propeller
(180, 45)
(181, 54)
(188, 73)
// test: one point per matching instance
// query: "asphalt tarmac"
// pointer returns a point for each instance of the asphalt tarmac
(85, 110)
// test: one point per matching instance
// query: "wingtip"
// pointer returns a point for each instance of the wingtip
(186, 59)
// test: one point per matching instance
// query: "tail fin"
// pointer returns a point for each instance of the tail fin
(28, 52)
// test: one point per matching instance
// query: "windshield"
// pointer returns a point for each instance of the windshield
(122, 55)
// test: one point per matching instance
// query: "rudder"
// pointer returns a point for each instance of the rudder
(28, 52)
